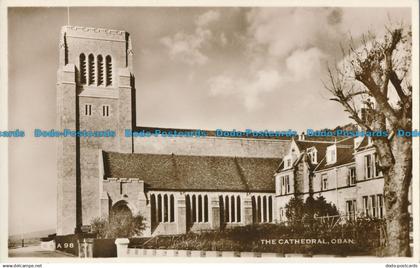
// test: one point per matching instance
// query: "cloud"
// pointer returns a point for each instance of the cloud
(282, 30)
(206, 18)
(223, 39)
(305, 64)
(286, 46)
(188, 48)
(248, 89)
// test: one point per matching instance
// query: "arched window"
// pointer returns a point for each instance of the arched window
(238, 208)
(254, 209)
(165, 208)
(91, 62)
(264, 209)
(172, 211)
(82, 67)
(108, 66)
(227, 210)
(270, 209)
(232, 208)
(200, 209)
(194, 209)
(153, 211)
(206, 208)
(159, 201)
(100, 70)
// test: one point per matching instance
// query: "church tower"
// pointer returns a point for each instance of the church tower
(95, 92)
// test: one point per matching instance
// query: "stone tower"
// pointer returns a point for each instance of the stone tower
(95, 91)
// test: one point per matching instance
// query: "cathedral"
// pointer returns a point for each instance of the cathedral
(181, 184)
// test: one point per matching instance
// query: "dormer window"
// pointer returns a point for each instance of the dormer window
(287, 162)
(331, 154)
(312, 153)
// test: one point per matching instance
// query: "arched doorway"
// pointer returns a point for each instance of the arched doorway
(120, 211)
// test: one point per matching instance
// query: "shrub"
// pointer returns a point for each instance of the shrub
(118, 226)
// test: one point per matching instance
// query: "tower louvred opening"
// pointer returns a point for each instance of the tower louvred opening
(91, 70)
(108, 70)
(100, 61)
(82, 64)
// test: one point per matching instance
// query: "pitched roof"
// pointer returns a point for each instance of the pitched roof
(344, 156)
(187, 172)
(344, 152)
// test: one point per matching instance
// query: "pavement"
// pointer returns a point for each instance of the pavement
(36, 251)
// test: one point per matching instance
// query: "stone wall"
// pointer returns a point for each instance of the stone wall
(216, 146)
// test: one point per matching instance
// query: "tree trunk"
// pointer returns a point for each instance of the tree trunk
(397, 182)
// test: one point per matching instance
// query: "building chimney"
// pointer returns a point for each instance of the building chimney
(302, 136)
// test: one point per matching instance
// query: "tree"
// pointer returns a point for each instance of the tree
(373, 84)
(299, 212)
(295, 211)
(121, 225)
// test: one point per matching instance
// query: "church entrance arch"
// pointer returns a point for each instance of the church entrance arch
(119, 211)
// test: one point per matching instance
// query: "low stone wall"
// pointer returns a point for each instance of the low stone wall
(124, 251)
(48, 245)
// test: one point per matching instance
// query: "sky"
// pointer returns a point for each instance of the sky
(208, 68)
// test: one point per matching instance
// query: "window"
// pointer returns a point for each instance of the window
(289, 163)
(232, 209)
(373, 205)
(324, 182)
(123, 188)
(270, 209)
(206, 208)
(377, 166)
(380, 206)
(91, 61)
(284, 185)
(227, 211)
(105, 110)
(100, 70)
(198, 208)
(262, 208)
(159, 200)
(82, 67)
(365, 206)
(164, 210)
(172, 208)
(331, 155)
(258, 210)
(238, 209)
(108, 66)
(88, 109)
(351, 209)
(351, 179)
(368, 166)
(194, 209)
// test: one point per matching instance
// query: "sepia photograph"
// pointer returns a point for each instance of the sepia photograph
(255, 131)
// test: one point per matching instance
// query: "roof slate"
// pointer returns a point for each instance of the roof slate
(187, 172)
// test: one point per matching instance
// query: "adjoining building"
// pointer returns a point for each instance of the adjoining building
(180, 184)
